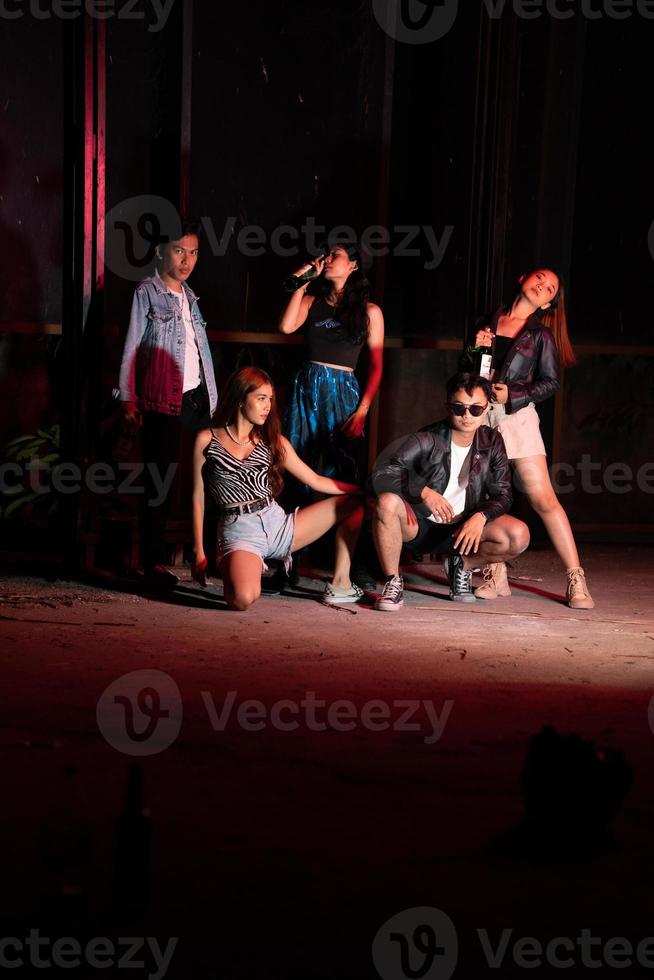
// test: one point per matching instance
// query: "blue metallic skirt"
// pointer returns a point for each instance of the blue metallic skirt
(321, 400)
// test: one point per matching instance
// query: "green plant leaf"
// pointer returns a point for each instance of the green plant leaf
(30, 450)
(17, 442)
(51, 435)
(15, 505)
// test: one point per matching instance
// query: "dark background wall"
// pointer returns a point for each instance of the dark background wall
(542, 122)
(513, 141)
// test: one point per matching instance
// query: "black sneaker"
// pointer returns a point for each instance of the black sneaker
(392, 597)
(460, 580)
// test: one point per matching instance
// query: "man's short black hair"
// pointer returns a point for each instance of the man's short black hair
(190, 226)
(468, 382)
(180, 228)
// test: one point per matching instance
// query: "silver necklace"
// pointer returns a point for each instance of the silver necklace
(241, 444)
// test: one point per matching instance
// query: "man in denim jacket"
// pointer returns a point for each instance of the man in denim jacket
(167, 382)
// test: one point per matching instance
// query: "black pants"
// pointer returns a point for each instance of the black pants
(162, 438)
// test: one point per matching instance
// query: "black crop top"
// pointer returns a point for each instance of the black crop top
(326, 337)
(500, 350)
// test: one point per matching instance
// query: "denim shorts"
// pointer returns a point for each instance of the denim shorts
(269, 534)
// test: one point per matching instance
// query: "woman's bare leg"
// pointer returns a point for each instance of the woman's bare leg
(314, 521)
(347, 535)
(241, 574)
(533, 479)
(501, 540)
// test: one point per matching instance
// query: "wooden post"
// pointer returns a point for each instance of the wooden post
(83, 248)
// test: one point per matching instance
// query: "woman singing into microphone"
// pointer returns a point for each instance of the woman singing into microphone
(326, 415)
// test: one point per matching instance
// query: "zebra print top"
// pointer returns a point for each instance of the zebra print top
(233, 481)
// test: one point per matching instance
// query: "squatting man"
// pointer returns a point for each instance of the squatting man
(447, 489)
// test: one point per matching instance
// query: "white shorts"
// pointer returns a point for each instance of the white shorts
(520, 430)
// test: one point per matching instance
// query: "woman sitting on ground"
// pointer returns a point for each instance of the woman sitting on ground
(240, 461)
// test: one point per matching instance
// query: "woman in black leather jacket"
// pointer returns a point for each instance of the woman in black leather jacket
(530, 344)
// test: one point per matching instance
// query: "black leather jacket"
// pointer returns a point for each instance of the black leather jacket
(424, 458)
(531, 371)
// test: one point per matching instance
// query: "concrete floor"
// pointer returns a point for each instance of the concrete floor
(282, 853)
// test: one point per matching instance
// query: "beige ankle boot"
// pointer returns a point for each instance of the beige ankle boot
(578, 596)
(496, 583)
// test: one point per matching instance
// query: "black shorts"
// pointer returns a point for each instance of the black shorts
(432, 537)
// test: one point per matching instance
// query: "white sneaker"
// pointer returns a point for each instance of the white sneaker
(333, 596)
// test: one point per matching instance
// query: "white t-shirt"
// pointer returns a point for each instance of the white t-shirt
(192, 376)
(455, 491)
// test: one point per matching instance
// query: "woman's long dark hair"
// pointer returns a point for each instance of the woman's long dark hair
(237, 387)
(353, 307)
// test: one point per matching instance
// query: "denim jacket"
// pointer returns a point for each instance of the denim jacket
(152, 368)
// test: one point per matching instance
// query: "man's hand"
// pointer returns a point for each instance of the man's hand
(469, 535)
(353, 426)
(131, 418)
(500, 393)
(438, 505)
(199, 566)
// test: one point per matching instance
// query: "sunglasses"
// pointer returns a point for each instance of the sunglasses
(475, 410)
